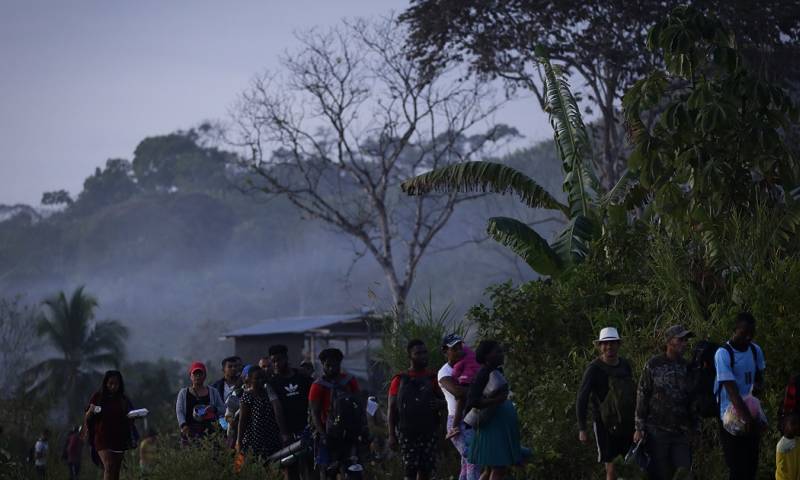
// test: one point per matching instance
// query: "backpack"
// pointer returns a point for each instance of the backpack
(789, 404)
(346, 416)
(414, 398)
(618, 408)
(703, 374)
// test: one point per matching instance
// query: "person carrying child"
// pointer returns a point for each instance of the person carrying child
(464, 372)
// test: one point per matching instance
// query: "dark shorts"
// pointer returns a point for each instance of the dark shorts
(418, 452)
(610, 446)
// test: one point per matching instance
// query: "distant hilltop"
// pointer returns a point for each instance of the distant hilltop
(28, 213)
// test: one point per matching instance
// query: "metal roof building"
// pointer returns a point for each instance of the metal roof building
(355, 334)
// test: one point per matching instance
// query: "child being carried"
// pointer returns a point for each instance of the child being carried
(464, 372)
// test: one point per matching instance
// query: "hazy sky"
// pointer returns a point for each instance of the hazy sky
(83, 81)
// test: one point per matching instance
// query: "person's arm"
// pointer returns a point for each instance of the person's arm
(315, 407)
(244, 420)
(180, 411)
(280, 418)
(391, 421)
(450, 384)
(582, 402)
(643, 393)
(475, 398)
(727, 380)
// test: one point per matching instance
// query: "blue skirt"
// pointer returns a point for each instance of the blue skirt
(496, 443)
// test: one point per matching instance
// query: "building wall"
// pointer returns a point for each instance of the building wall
(254, 347)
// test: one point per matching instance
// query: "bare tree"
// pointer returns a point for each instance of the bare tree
(349, 118)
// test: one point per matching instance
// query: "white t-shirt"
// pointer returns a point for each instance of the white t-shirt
(447, 371)
(40, 449)
(227, 390)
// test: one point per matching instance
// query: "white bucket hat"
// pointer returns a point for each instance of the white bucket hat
(608, 334)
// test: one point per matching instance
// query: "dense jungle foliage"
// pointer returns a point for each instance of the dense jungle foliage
(706, 228)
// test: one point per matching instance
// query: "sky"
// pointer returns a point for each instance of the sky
(84, 81)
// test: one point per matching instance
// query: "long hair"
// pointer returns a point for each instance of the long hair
(112, 373)
(485, 348)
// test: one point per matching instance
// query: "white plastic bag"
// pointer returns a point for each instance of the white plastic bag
(734, 423)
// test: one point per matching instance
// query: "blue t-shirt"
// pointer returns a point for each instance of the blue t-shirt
(743, 373)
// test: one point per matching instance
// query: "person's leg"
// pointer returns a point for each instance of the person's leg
(750, 445)
(112, 464)
(458, 443)
(611, 471)
(659, 447)
(741, 455)
(681, 456)
(498, 473)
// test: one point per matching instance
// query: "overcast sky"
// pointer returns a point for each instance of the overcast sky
(84, 81)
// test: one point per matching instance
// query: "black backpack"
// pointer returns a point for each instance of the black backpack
(346, 416)
(414, 397)
(618, 408)
(703, 373)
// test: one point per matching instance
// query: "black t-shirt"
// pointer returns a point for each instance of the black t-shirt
(191, 401)
(293, 394)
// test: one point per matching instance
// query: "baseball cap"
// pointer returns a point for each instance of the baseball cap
(677, 331)
(197, 366)
(608, 334)
(451, 340)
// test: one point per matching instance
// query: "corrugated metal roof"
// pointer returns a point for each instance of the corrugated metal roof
(294, 324)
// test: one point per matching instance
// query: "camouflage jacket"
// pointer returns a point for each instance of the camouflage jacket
(663, 397)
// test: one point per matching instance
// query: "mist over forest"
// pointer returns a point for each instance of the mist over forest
(175, 247)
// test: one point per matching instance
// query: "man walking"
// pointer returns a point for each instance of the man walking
(740, 370)
(415, 401)
(291, 387)
(663, 408)
(231, 371)
(452, 347)
(73, 450)
(340, 420)
(40, 451)
(608, 383)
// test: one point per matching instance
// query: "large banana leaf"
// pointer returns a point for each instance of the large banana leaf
(573, 243)
(483, 176)
(526, 243)
(571, 139)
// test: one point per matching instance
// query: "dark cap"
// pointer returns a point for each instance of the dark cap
(677, 331)
(451, 340)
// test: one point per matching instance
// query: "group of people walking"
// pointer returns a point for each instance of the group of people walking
(319, 427)
(656, 418)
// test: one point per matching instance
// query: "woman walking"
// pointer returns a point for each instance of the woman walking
(258, 434)
(496, 443)
(197, 407)
(111, 431)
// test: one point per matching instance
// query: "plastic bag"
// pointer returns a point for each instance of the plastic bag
(734, 423)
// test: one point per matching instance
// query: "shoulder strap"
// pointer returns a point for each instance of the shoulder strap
(729, 349)
(755, 356)
(344, 381)
(324, 383)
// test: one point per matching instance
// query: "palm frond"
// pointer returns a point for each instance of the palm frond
(571, 139)
(107, 336)
(572, 244)
(483, 176)
(526, 243)
(788, 225)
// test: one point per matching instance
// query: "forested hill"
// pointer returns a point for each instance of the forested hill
(174, 250)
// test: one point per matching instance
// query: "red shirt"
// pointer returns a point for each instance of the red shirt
(394, 387)
(322, 394)
(112, 427)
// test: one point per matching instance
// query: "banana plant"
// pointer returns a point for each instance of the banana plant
(584, 199)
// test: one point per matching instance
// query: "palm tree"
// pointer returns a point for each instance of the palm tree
(83, 347)
(585, 204)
